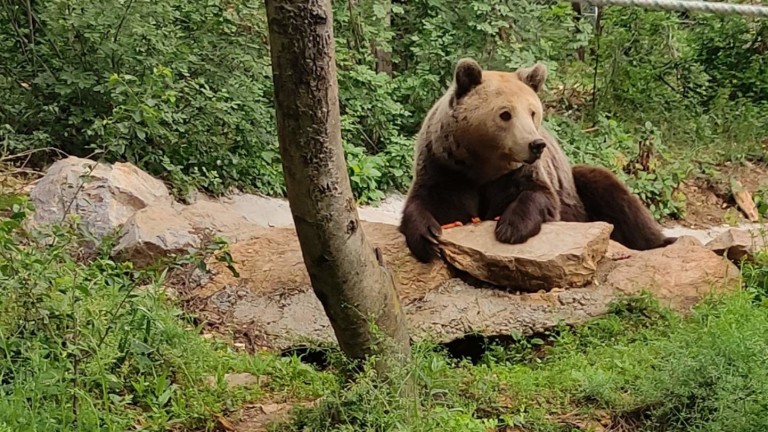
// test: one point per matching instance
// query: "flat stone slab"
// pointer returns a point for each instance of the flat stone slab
(562, 255)
(577, 269)
(440, 308)
(739, 244)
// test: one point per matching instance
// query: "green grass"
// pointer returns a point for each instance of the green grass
(90, 344)
(641, 367)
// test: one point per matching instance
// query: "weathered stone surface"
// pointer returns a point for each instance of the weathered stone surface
(738, 245)
(260, 210)
(275, 304)
(160, 231)
(155, 232)
(105, 199)
(273, 299)
(689, 241)
(679, 275)
(220, 219)
(562, 255)
(271, 261)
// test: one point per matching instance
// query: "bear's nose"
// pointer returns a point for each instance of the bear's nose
(537, 146)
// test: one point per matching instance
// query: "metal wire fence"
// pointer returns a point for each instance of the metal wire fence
(719, 8)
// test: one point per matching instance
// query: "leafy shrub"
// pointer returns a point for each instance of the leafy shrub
(87, 343)
(185, 89)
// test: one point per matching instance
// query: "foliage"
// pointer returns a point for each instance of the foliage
(641, 368)
(90, 344)
(669, 68)
(185, 90)
(641, 159)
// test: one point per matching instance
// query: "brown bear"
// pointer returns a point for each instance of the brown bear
(482, 153)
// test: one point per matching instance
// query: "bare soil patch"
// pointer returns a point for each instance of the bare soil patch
(709, 201)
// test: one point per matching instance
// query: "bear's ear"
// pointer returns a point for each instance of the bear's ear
(533, 76)
(468, 75)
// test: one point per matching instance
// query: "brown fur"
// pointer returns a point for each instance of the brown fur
(607, 199)
(476, 156)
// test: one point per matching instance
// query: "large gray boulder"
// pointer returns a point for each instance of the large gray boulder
(104, 196)
(156, 232)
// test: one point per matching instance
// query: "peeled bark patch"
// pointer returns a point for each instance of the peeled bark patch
(562, 255)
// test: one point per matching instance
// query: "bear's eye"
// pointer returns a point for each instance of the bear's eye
(505, 115)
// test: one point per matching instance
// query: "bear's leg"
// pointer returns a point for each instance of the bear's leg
(607, 199)
(421, 231)
(425, 212)
(522, 219)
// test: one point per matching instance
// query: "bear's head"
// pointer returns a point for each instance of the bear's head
(498, 115)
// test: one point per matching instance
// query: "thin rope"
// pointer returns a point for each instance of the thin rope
(719, 8)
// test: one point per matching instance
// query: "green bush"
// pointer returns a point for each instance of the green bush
(185, 89)
(90, 344)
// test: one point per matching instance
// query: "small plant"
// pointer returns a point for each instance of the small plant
(87, 343)
(761, 201)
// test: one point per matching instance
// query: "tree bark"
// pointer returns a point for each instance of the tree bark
(347, 274)
(383, 57)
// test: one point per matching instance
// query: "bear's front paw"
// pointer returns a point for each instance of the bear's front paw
(422, 240)
(515, 232)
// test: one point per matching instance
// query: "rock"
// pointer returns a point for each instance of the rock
(274, 303)
(220, 219)
(160, 231)
(105, 197)
(115, 193)
(243, 380)
(260, 210)
(156, 232)
(745, 201)
(678, 275)
(239, 380)
(689, 240)
(563, 254)
(271, 261)
(279, 309)
(263, 417)
(617, 251)
(738, 245)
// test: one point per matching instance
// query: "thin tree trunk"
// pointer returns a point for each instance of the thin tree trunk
(383, 57)
(347, 274)
(578, 15)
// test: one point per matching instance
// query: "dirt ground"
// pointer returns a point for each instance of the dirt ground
(709, 201)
